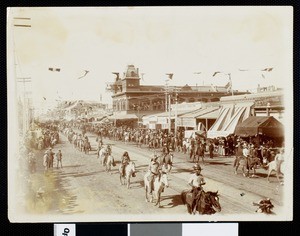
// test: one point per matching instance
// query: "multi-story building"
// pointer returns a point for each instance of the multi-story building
(131, 100)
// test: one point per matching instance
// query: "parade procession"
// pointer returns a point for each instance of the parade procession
(177, 145)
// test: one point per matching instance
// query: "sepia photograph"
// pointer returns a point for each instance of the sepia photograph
(150, 114)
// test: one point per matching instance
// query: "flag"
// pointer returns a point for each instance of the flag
(85, 73)
(217, 72)
(213, 87)
(142, 76)
(117, 74)
(228, 86)
(54, 69)
(267, 69)
(170, 75)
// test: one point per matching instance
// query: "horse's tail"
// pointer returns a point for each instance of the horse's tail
(183, 197)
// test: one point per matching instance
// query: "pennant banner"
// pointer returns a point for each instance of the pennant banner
(54, 69)
(170, 76)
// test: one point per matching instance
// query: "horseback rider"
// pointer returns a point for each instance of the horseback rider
(196, 181)
(108, 149)
(165, 152)
(124, 162)
(154, 171)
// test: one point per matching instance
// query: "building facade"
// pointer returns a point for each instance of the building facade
(131, 100)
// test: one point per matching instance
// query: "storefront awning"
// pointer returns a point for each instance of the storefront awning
(229, 117)
(266, 125)
(200, 113)
(189, 119)
(123, 117)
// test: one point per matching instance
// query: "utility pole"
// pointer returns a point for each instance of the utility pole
(25, 103)
(176, 110)
(169, 113)
(22, 80)
(229, 75)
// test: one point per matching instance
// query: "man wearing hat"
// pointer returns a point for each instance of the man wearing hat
(50, 158)
(125, 159)
(196, 181)
(154, 171)
(165, 151)
(245, 159)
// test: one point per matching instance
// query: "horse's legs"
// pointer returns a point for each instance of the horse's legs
(158, 199)
(189, 208)
(270, 171)
(128, 182)
(236, 167)
(146, 193)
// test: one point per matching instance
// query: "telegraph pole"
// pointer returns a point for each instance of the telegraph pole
(176, 110)
(25, 109)
(22, 80)
(169, 113)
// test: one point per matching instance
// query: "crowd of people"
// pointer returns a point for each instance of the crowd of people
(248, 152)
(41, 137)
(195, 146)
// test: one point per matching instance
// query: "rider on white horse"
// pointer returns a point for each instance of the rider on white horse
(124, 162)
(154, 171)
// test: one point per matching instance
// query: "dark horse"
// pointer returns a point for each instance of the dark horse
(206, 202)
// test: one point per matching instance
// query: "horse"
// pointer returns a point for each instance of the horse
(274, 166)
(206, 202)
(250, 163)
(243, 161)
(80, 144)
(160, 182)
(126, 138)
(109, 163)
(253, 162)
(199, 153)
(86, 147)
(103, 155)
(167, 162)
(129, 171)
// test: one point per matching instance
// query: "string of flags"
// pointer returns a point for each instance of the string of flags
(85, 73)
(170, 75)
(268, 69)
(54, 69)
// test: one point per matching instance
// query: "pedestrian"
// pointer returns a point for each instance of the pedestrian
(238, 155)
(45, 160)
(211, 150)
(32, 162)
(59, 159)
(279, 158)
(50, 158)
(196, 181)
(244, 161)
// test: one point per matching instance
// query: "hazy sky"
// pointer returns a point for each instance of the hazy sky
(156, 40)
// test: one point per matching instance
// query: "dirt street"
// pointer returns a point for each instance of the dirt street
(83, 187)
